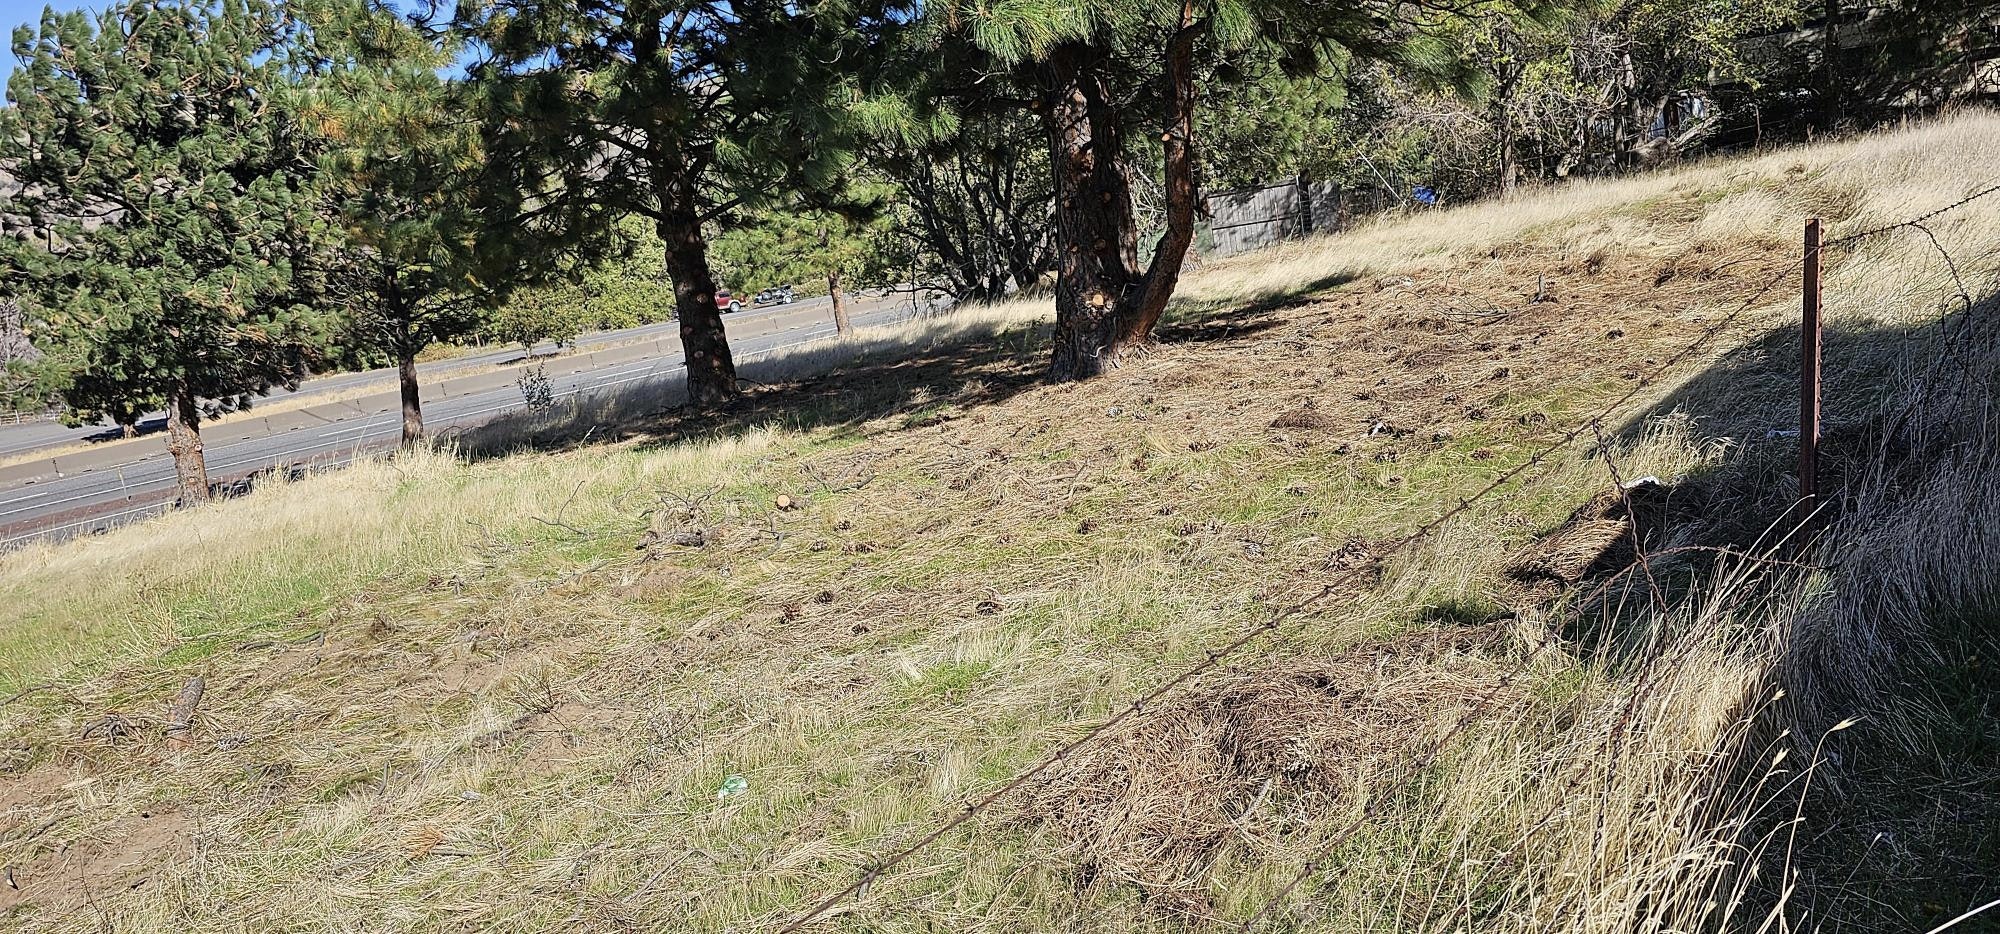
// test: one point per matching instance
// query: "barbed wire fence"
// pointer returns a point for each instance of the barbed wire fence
(1952, 338)
(1214, 657)
(1649, 665)
(1283, 617)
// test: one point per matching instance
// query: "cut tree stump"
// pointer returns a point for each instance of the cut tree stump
(180, 723)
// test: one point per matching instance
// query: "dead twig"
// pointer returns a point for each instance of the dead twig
(24, 692)
(558, 522)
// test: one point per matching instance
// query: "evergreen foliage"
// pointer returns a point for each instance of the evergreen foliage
(675, 110)
(974, 203)
(401, 166)
(1107, 78)
(203, 199)
(168, 180)
(804, 245)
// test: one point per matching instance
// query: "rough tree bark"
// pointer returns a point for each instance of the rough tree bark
(1105, 306)
(184, 443)
(1506, 126)
(841, 325)
(413, 407)
(181, 717)
(711, 372)
(404, 338)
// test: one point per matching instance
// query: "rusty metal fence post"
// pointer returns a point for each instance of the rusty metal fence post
(1810, 342)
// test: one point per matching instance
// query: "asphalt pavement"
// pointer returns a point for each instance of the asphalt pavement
(16, 439)
(79, 489)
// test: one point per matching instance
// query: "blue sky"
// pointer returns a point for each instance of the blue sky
(15, 13)
(29, 12)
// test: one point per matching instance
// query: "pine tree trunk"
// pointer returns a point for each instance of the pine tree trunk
(184, 443)
(841, 325)
(1505, 127)
(413, 406)
(1097, 268)
(1105, 306)
(711, 373)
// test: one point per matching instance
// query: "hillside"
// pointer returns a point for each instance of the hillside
(611, 670)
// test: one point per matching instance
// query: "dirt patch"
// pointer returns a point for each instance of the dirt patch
(540, 738)
(62, 870)
(1155, 803)
(28, 812)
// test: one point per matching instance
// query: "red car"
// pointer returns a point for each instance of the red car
(726, 301)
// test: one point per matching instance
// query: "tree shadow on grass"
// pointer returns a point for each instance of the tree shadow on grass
(1901, 821)
(841, 385)
(1304, 293)
(845, 384)
(1882, 390)
(1195, 323)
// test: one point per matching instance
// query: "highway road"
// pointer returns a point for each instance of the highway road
(16, 439)
(81, 488)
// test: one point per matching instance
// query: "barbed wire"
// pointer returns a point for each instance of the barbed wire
(1312, 865)
(1213, 658)
(1917, 221)
(1953, 338)
(1650, 667)
(1614, 739)
(1651, 671)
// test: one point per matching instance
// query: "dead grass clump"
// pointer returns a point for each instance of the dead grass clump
(1599, 537)
(1154, 804)
(1304, 418)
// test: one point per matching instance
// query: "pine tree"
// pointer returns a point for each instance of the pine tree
(1093, 70)
(976, 203)
(843, 247)
(167, 177)
(18, 357)
(676, 110)
(401, 166)
(836, 241)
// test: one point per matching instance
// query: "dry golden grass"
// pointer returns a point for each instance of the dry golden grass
(510, 691)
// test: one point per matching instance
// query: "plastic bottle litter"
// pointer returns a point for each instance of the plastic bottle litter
(732, 786)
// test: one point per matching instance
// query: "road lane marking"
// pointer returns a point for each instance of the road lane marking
(337, 437)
